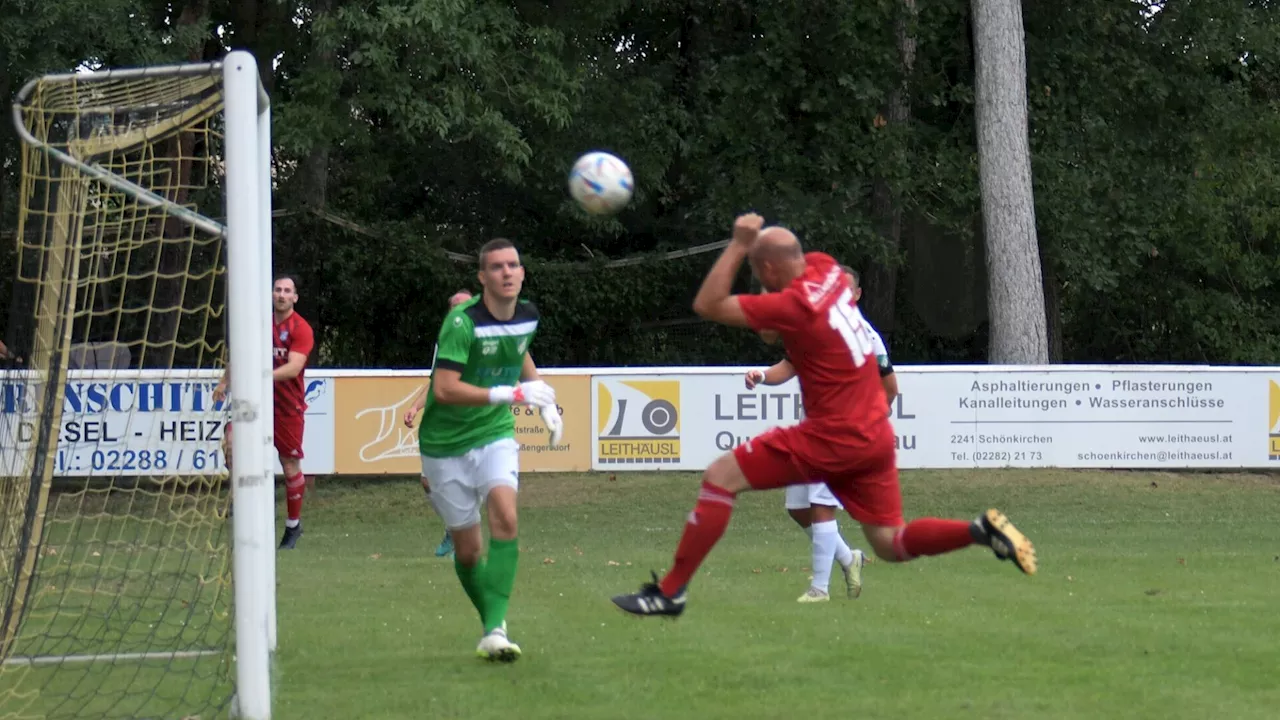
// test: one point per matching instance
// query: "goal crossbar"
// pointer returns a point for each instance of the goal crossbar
(211, 69)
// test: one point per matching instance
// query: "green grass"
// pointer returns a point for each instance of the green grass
(1156, 599)
(126, 571)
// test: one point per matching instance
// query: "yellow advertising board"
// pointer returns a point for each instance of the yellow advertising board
(370, 437)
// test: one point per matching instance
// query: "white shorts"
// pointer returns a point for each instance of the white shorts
(460, 485)
(800, 497)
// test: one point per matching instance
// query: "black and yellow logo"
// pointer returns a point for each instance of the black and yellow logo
(638, 421)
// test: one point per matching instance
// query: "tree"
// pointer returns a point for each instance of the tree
(880, 281)
(1015, 292)
(422, 127)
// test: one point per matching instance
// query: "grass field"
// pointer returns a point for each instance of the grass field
(1156, 598)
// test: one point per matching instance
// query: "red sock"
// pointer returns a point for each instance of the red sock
(294, 489)
(706, 524)
(931, 536)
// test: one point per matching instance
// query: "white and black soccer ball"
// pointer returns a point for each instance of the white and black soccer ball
(601, 183)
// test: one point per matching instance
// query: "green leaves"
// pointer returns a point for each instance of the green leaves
(1156, 169)
(442, 123)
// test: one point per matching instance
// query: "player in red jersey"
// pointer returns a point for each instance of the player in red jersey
(846, 436)
(291, 344)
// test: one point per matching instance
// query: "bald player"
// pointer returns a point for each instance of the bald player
(812, 506)
(845, 437)
(446, 543)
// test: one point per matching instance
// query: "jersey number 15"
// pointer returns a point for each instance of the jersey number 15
(846, 319)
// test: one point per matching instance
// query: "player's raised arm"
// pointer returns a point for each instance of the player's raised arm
(713, 301)
(777, 260)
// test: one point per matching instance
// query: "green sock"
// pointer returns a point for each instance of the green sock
(499, 577)
(473, 582)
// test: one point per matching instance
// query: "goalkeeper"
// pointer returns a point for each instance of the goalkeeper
(467, 434)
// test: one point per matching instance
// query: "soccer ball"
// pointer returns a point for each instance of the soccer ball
(601, 183)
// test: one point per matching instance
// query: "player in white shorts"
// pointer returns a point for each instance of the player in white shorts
(813, 506)
(466, 438)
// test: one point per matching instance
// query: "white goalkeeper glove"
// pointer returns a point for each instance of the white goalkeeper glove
(555, 424)
(533, 392)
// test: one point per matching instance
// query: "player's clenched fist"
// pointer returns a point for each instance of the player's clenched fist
(746, 227)
(533, 392)
(754, 378)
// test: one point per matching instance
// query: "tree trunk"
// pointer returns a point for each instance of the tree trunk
(257, 29)
(175, 240)
(314, 169)
(880, 282)
(1015, 293)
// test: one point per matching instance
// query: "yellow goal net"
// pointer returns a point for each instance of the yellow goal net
(116, 542)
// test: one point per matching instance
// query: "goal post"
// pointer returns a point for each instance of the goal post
(136, 581)
(248, 171)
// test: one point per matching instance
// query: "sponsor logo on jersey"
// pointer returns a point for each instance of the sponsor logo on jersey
(818, 292)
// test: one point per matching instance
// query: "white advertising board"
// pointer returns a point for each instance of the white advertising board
(963, 417)
(146, 423)
(153, 422)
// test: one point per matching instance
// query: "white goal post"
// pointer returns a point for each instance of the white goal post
(246, 231)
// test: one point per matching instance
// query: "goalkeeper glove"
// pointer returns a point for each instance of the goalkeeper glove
(555, 424)
(533, 392)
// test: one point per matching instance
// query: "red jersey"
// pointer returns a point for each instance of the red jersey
(829, 343)
(292, 334)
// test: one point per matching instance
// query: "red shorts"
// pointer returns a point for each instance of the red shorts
(287, 432)
(862, 473)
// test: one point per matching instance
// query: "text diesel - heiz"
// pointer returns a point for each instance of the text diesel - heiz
(104, 431)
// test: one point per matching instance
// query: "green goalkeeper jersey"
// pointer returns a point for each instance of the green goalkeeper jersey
(487, 352)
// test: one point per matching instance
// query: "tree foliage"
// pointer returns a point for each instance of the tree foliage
(433, 125)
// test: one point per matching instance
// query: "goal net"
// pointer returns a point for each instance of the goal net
(117, 547)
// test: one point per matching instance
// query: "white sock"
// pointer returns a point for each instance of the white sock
(844, 555)
(825, 536)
